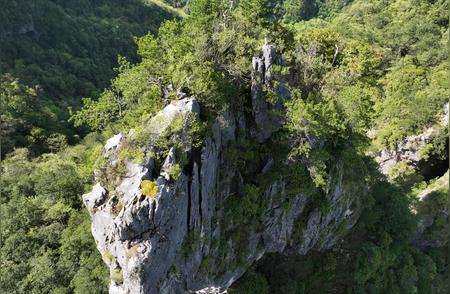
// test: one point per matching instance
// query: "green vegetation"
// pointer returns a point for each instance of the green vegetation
(251, 283)
(174, 171)
(46, 243)
(376, 257)
(190, 243)
(353, 68)
(149, 188)
(246, 208)
(55, 52)
(108, 257)
(173, 6)
(117, 276)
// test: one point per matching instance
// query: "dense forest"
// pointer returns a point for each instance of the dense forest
(54, 53)
(363, 75)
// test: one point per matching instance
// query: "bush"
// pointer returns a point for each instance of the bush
(246, 208)
(174, 171)
(149, 188)
(251, 282)
(117, 276)
(108, 257)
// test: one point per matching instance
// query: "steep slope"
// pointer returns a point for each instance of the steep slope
(282, 132)
(209, 222)
(63, 51)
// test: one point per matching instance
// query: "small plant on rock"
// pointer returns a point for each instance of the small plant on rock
(175, 171)
(117, 276)
(149, 188)
(108, 257)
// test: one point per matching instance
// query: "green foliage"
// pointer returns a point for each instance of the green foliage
(117, 276)
(376, 257)
(438, 146)
(251, 283)
(79, 257)
(108, 257)
(129, 98)
(388, 228)
(135, 154)
(185, 131)
(27, 120)
(375, 65)
(316, 120)
(190, 243)
(64, 50)
(412, 93)
(110, 175)
(46, 244)
(407, 107)
(297, 10)
(149, 188)
(431, 199)
(97, 115)
(314, 273)
(207, 265)
(246, 208)
(174, 171)
(200, 53)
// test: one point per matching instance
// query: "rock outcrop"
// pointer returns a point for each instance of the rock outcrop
(409, 150)
(263, 79)
(206, 225)
(186, 239)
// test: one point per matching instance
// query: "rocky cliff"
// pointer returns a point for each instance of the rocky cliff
(411, 152)
(209, 219)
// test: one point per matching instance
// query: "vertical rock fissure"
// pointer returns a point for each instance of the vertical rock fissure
(153, 212)
(190, 172)
(189, 184)
(198, 159)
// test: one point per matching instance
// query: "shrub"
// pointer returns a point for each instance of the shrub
(246, 208)
(108, 257)
(149, 188)
(117, 276)
(251, 282)
(174, 171)
(135, 154)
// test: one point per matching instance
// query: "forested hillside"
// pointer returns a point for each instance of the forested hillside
(54, 53)
(362, 78)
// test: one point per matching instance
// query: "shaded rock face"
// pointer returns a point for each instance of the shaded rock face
(262, 79)
(187, 239)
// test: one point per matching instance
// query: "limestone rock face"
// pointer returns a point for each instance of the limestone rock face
(409, 149)
(113, 143)
(209, 222)
(263, 78)
(185, 239)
